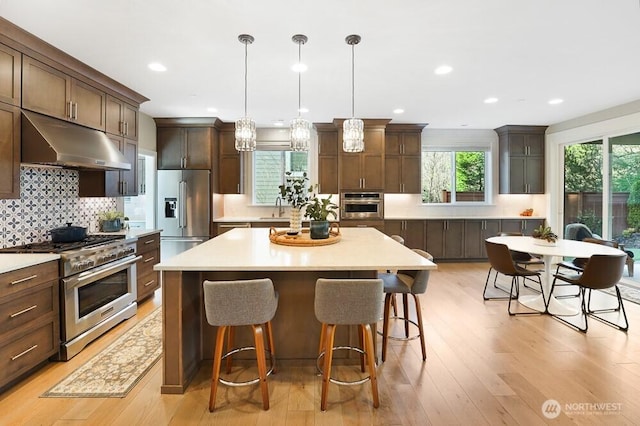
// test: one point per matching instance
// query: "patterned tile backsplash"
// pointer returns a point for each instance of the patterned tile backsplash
(48, 199)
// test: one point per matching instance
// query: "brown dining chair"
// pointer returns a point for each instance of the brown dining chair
(502, 262)
(523, 259)
(578, 263)
(600, 272)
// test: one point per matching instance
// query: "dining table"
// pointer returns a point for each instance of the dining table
(549, 251)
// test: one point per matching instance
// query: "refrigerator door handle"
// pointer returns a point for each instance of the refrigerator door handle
(182, 204)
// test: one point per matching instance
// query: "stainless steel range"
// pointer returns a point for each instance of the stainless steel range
(97, 286)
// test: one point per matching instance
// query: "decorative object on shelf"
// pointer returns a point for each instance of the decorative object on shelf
(544, 236)
(353, 128)
(303, 239)
(296, 191)
(300, 128)
(245, 126)
(318, 210)
(111, 221)
(526, 212)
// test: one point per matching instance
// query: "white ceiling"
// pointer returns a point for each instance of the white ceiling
(525, 53)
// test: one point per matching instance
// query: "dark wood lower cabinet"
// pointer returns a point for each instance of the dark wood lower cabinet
(147, 279)
(445, 238)
(475, 232)
(29, 319)
(413, 232)
(526, 226)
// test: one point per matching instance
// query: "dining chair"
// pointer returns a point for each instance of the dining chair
(600, 272)
(501, 261)
(522, 258)
(239, 303)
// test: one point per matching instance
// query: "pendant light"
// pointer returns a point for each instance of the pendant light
(353, 128)
(245, 126)
(300, 128)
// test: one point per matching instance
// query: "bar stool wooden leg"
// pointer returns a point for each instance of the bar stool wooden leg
(394, 305)
(361, 340)
(368, 338)
(271, 347)
(217, 360)
(231, 337)
(323, 332)
(258, 336)
(385, 323)
(328, 358)
(405, 303)
(420, 327)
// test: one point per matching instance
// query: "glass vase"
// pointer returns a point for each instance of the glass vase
(295, 221)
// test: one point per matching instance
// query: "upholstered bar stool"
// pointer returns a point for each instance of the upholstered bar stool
(406, 283)
(348, 302)
(241, 303)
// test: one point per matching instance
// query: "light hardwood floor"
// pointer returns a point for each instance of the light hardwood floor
(483, 367)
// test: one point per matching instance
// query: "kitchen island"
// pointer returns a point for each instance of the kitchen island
(246, 253)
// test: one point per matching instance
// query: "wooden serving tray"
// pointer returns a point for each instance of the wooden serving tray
(303, 239)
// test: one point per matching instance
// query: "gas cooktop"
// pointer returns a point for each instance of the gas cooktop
(51, 247)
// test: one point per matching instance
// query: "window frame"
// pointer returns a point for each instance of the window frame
(283, 149)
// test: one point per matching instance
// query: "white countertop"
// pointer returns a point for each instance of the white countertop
(249, 249)
(243, 219)
(13, 261)
(132, 233)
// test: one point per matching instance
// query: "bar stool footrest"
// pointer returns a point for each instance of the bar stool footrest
(340, 382)
(247, 382)
(403, 338)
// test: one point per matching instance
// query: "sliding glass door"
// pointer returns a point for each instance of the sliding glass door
(583, 185)
(624, 201)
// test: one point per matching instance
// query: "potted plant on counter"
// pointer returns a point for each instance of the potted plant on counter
(111, 221)
(318, 210)
(544, 236)
(296, 192)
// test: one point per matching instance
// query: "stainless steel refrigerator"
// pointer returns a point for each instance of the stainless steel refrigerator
(184, 205)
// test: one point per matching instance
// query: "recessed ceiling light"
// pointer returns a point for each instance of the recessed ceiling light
(157, 66)
(443, 69)
(278, 123)
(556, 101)
(212, 109)
(300, 67)
(398, 111)
(491, 100)
(303, 110)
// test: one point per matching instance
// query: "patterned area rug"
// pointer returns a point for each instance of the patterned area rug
(116, 370)
(630, 293)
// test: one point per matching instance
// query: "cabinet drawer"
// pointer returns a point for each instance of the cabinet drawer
(148, 243)
(27, 351)
(21, 279)
(28, 305)
(147, 284)
(145, 265)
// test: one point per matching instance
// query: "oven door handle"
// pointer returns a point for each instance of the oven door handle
(73, 281)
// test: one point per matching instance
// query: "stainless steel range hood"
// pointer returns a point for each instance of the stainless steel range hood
(47, 140)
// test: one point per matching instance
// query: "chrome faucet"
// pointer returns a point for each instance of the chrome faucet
(279, 205)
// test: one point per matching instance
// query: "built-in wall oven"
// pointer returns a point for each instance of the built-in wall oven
(362, 205)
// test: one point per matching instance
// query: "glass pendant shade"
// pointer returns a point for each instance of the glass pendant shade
(353, 135)
(300, 134)
(245, 134)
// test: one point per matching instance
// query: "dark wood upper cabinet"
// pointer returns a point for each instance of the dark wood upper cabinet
(327, 158)
(521, 157)
(184, 147)
(230, 162)
(52, 92)
(122, 118)
(364, 170)
(403, 158)
(9, 151)
(10, 75)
